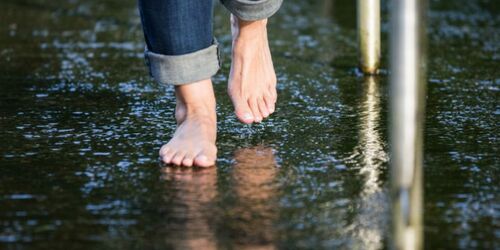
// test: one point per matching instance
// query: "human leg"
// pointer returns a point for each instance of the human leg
(252, 80)
(180, 50)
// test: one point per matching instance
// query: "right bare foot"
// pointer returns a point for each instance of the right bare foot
(193, 143)
(252, 80)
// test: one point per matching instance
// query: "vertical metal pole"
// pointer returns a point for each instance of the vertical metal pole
(407, 83)
(368, 12)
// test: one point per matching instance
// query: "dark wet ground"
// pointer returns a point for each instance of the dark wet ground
(81, 123)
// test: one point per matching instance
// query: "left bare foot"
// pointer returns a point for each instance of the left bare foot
(193, 143)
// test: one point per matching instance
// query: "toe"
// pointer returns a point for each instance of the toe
(203, 161)
(177, 159)
(163, 150)
(273, 93)
(269, 103)
(254, 106)
(188, 161)
(263, 108)
(167, 157)
(243, 111)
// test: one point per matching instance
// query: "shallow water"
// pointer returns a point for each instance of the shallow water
(81, 123)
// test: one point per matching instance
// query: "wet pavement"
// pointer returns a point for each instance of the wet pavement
(81, 123)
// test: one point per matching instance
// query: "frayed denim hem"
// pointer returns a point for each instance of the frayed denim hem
(184, 69)
(251, 10)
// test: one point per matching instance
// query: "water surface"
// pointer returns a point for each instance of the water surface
(81, 123)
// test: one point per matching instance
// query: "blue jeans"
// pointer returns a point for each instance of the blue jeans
(180, 47)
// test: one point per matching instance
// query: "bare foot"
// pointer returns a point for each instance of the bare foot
(252, 81)
(193, 143)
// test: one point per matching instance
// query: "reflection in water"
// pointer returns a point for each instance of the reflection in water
(371, 145)
(254, 172)
(192, 224)
(81, 122)
(195, 192)
(370, 223)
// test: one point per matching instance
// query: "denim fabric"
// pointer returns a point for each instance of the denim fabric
(183, 69)
(180, 47)
(251, 10)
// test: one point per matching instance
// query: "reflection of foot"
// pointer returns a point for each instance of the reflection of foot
(254, 169)
(181, 175)
(255, 158)
(254, 174)
(195, 186)
(192, 204)
(193, 142)
(252, 81)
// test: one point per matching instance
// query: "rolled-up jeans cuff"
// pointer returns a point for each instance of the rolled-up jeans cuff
(251, 10)
(184, 69)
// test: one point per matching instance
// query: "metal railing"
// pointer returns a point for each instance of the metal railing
(407, 102)
(368, 12)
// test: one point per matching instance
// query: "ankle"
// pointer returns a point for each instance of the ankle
(200, 110)
(195, 99)
(248, 29)
(184, 111)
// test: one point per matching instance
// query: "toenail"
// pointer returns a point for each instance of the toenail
(247, 116)
(202, 158)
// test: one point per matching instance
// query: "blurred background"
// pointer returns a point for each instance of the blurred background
(81, 123)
